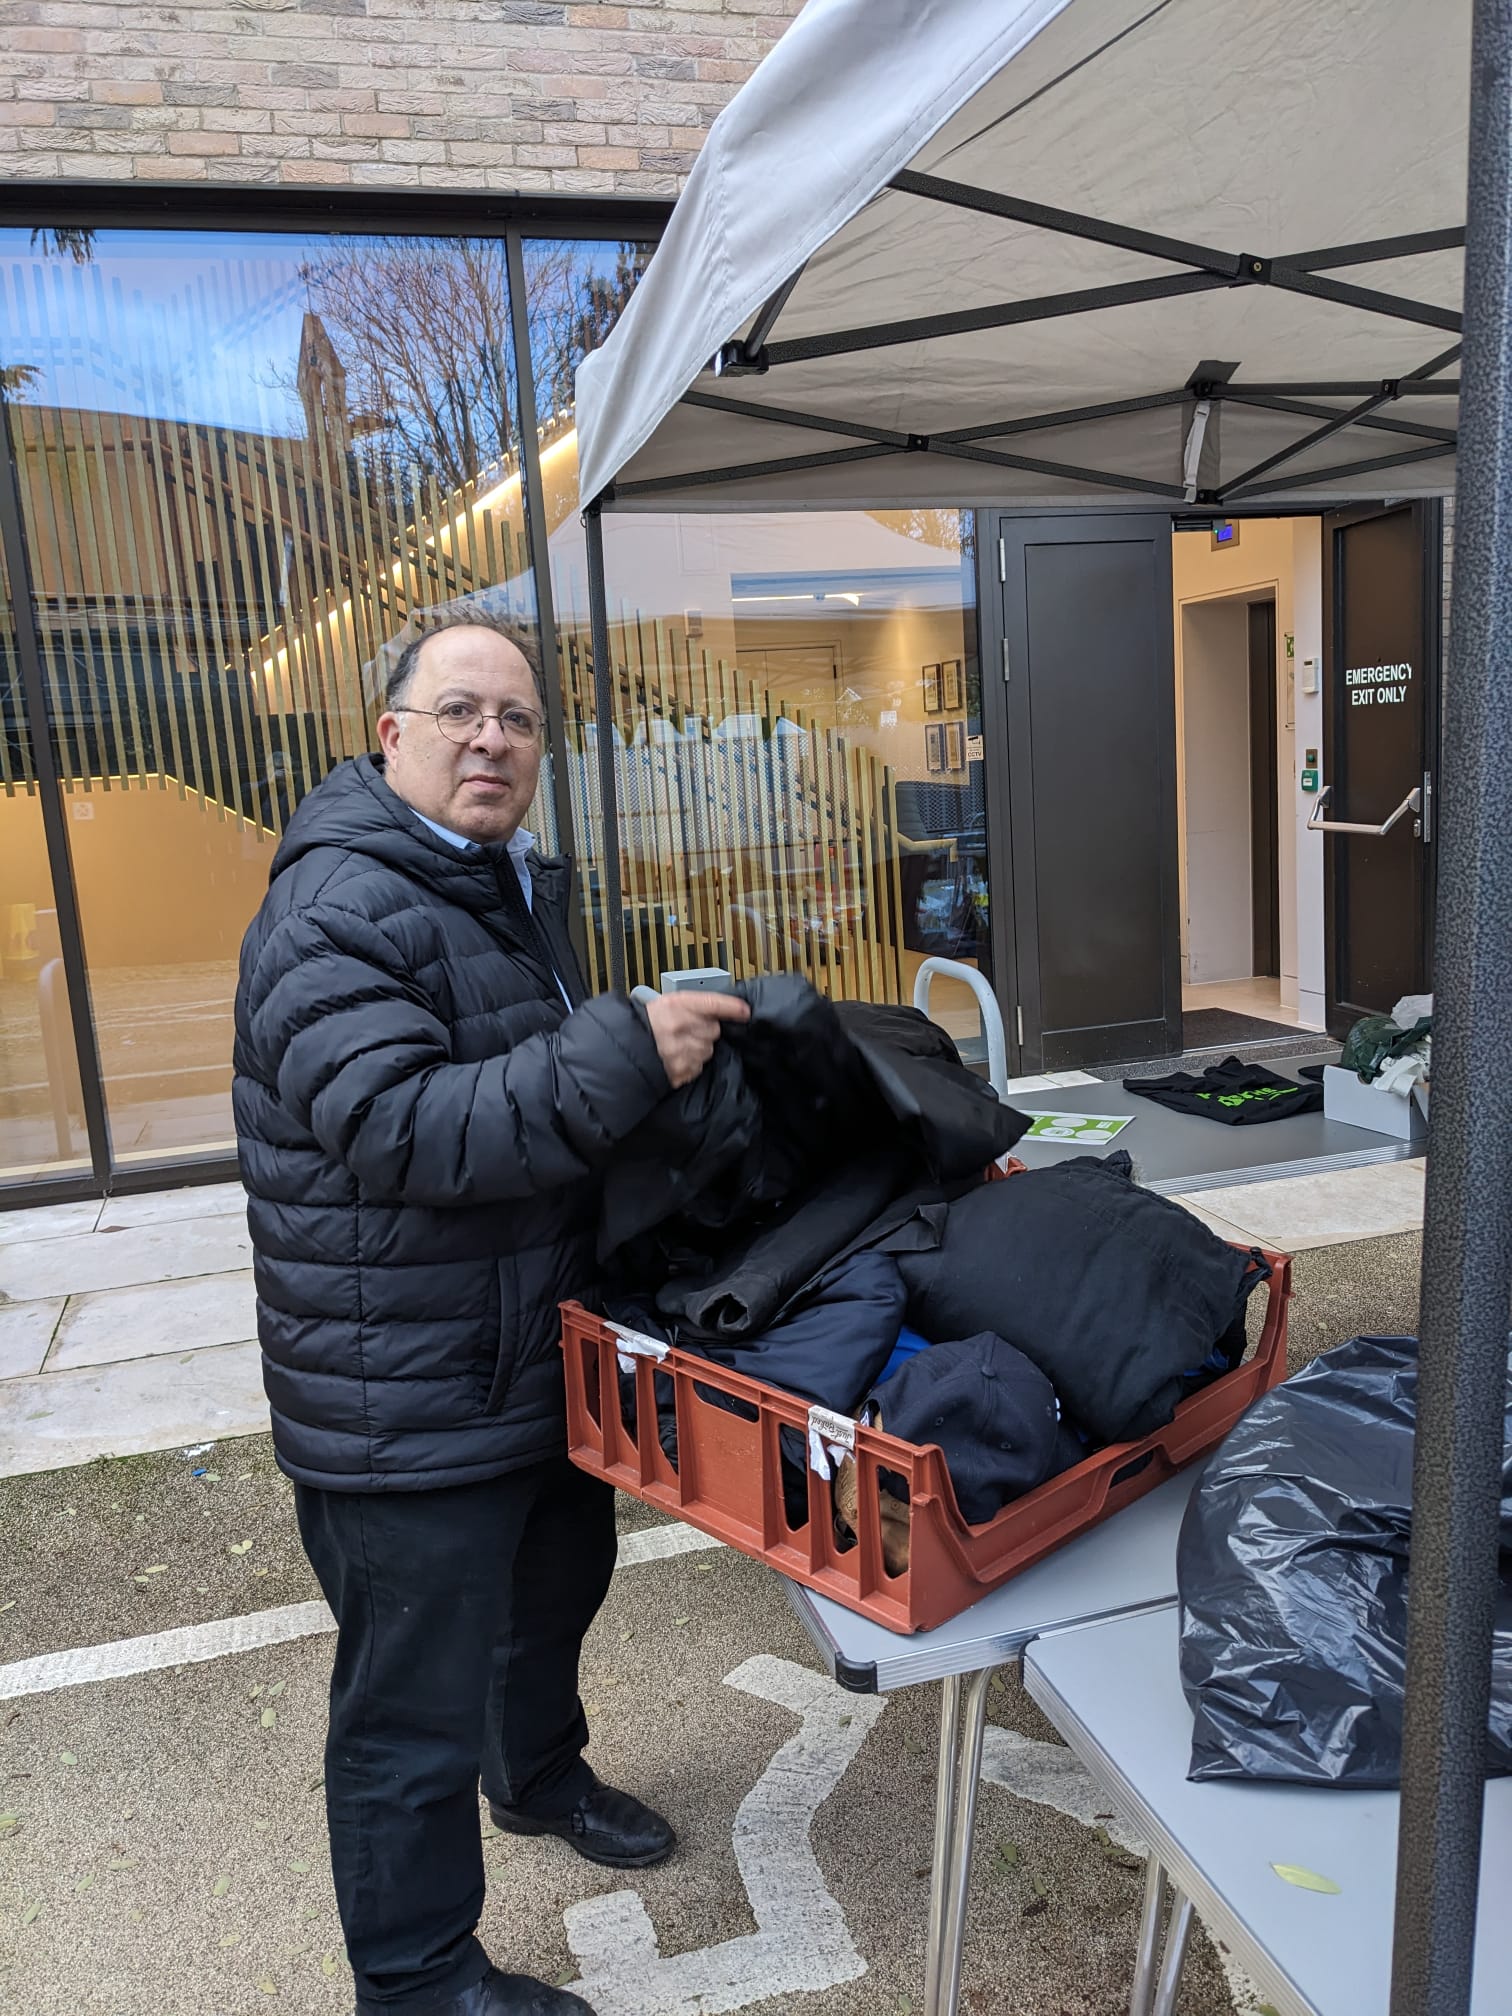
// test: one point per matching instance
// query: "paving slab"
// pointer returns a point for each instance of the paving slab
(26, 1331)
(32, 1269)
(48, 1221)
(161, 1207)
(61, 1418)
(150, 1321)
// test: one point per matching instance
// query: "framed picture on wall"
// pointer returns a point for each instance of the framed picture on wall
(955, 745)
(932, 689)
(934, 747)
(954, 686)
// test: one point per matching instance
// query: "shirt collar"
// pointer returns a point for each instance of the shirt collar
(517, 848)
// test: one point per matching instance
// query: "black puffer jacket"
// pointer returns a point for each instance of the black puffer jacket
(419, 1123)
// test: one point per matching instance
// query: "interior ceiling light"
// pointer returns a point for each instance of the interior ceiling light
(851, 595)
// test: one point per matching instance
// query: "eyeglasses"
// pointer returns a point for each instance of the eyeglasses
(461, 721)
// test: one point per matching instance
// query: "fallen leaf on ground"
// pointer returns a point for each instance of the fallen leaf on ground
(202, 1588)
(157, 1568)
(1007, 1856)
(300, 1868)
(680, 1621)
(240, 1547)
(31, 1914)
(270, 1718)
(84, 1883)
(254, 1690)
(276, 1689)
(220, 1886)
(67, 1757)
(231, 1939)
(266, 1988)
(8, 1821)
(212, 1476)
(124, 1862)
(1306, 1879)
(7, 1606)
(562, 1980)
(1041, 1887)
(328, 1964)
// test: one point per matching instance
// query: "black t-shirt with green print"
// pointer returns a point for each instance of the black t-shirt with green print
(1238, 1095)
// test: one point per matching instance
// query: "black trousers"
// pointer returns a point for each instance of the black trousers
(460, 1617)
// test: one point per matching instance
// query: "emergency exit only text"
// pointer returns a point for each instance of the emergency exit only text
(1373, 684)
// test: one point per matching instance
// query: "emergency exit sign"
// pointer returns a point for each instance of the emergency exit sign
(1378, 685)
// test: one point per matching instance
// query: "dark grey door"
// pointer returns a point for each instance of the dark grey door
(1087, 755)
(1382, 602)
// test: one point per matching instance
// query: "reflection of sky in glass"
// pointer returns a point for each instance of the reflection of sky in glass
(182, 325)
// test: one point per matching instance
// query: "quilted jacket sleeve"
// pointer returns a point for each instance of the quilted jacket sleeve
(361, 1060)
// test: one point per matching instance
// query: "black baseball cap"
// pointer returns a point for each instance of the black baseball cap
(992, 1413)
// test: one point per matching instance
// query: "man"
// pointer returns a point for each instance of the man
(423, 1095)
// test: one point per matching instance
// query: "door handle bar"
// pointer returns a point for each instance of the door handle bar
(1413, 802)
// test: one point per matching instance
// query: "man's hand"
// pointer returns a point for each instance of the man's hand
(686, 1028)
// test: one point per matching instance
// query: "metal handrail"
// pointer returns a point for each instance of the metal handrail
(1413, 802)
(992, 1014)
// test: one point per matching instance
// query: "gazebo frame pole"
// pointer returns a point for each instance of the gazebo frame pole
(1467, 1238)
(611, 893)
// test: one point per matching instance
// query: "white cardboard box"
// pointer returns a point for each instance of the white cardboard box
(1346, 1099)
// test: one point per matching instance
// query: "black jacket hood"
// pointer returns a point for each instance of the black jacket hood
(356, 808)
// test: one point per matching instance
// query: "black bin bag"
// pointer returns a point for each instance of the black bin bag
(1292, 1570)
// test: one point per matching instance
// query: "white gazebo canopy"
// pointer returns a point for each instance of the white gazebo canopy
(1199, 254)
(1056, 252)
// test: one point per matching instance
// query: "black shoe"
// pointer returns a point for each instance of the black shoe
(503, 1995)
(613, 1828)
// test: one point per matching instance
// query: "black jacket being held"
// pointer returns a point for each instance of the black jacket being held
(420, 1124)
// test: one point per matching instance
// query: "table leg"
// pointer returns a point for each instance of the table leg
(973, 1715)
(1174, 1958)
(944, 1834)
(1142, 1994)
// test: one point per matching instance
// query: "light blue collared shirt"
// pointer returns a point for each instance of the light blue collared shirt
(517, 850)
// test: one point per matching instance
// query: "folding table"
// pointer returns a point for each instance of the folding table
(1113, 1690)
(1126, 1564)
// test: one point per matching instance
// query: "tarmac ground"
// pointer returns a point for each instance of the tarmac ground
(162, 1833)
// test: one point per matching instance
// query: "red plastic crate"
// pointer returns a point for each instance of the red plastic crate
(728, 1481)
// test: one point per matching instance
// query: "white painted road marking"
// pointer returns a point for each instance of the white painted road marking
(655, 1543)
(802, 1942)
(192, 1643)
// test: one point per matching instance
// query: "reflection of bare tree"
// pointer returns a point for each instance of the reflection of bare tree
(74, 240)
(421, 326)
(572, 302)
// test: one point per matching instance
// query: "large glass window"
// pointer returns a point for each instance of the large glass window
(799, 748)
(42, 1130)
(244, 459)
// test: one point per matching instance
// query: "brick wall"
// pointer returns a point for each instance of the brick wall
(468, 94)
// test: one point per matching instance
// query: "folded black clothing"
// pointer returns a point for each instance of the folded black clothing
(758, 1275)
(1118, 1295)
(1237, 1094)
(829, 1351)
(991, 1412)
